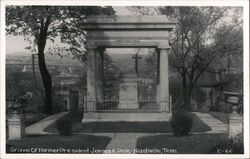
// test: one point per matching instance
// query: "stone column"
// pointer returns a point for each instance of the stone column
(91, 80)
(99, 75)
(158, 78)
(164, 81)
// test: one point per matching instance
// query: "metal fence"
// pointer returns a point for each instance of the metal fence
(125, 105)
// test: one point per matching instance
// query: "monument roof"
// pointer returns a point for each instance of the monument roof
(128, 23)
(128, 19)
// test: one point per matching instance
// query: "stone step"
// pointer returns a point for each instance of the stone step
(132, 117)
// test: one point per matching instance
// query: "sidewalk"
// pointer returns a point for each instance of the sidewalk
(123, 142)
(216, 125)
(38, 128)
(126, 141)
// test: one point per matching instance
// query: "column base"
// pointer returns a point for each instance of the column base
(164, 107)
(87, 116)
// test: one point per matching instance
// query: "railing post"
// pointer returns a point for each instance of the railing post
(170, 104)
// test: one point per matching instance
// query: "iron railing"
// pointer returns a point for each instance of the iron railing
(126, 105)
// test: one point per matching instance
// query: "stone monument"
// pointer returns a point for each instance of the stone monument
(127, 32)
(128, 95)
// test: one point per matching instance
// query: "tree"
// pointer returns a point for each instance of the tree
(111, 77)
(195, 44)
(38, 24)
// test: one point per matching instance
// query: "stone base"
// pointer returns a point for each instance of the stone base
(128, 106)
(235, 125)
(129, 117)
(16, 127)
(89, 115)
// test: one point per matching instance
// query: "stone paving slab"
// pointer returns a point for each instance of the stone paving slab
(216, 125)
(123, 142)
(38, 128)
(126, 141)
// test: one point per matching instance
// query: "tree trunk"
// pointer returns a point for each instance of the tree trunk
(184, 89)
(189, 95)
(47, 83)
(46, 78)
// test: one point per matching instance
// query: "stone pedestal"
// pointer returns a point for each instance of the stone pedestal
(16, 126)
(235, 125)
(128, 95)
(235, 120)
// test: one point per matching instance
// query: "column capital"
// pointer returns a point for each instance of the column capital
(168, 47)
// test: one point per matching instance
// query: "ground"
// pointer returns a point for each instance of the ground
(134, 136)
(193, 144)
(55, 142)
(125, 127)
(224, 117)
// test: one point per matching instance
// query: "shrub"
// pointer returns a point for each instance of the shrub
(230, 146)
(181, 123)
(64, 126)
(175, 89)
(199, 97)
(58, 105)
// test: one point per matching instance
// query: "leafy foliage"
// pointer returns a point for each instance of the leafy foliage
(148, 65)
(111, 77)
(65, 22)
(230, 146)
(64, 126)
(41, 23)
(234, 83)
(19, 90)
(181, 123)
(197, 42)
(200, 97)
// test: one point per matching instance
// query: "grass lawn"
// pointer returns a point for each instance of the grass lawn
(193, 144)
(126, 127)
(224, 117)
(57, 144)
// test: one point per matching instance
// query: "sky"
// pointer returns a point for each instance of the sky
(17, 44)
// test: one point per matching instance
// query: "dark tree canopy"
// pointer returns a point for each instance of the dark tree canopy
(198, 41)
(41, 23)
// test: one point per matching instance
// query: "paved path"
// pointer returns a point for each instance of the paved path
(126, 142)
(123, 143)
(38, 128)
(216, 125)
